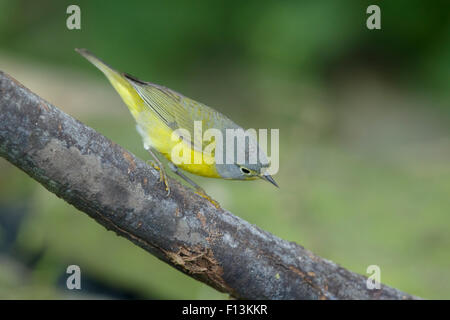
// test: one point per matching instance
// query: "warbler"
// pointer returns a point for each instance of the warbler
(160, 112)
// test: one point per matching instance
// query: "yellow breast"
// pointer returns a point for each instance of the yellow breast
(156, 134)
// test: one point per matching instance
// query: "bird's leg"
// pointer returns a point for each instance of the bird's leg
(159, 166)
(199, 190)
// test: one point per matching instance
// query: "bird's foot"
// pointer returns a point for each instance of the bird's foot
(198, 190)
(154, 165)
(162, 176)
(203, 194)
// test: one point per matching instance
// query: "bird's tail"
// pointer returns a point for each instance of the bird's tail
(106, 69)
(118, 81)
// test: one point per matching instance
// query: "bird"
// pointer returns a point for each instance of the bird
(160, 111)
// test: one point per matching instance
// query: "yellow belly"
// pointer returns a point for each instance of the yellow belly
(157, 135)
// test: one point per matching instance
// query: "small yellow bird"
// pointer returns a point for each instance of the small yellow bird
(159, 111)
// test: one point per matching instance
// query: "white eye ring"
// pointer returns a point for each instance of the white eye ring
(245, 170)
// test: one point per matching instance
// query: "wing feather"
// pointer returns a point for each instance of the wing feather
(177, 111)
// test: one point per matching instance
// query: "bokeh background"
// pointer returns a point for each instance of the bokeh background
(364, 119)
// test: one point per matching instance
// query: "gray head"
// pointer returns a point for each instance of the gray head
(241, 157)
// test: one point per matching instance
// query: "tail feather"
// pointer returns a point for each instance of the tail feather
(105, 68)
(118, 81)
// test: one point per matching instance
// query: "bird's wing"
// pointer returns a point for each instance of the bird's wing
(177, 111)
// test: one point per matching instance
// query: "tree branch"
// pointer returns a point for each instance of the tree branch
(186, 231)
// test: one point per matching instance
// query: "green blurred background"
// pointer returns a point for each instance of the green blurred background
(364, 119)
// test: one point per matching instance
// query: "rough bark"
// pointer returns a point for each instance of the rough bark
(186, 231)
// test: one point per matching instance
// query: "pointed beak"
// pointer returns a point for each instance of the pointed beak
(269, 179)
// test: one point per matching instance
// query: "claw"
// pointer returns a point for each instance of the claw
(162, 176)
(166, 183)
(160, 168)
(198, 189)
(154, 165)
(203, 194)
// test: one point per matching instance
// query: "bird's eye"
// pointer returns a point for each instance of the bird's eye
(245, 170)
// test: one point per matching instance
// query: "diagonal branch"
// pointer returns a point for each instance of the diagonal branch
(186, 231)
